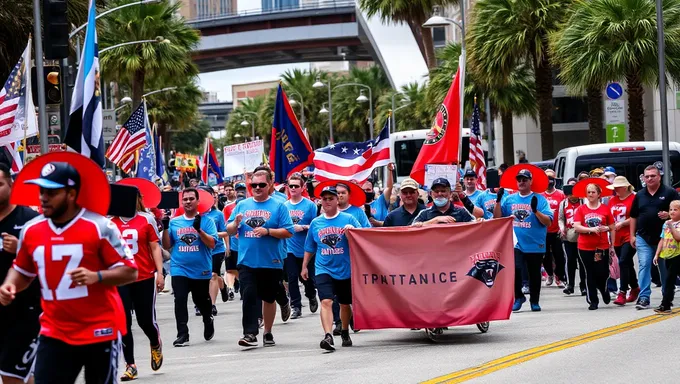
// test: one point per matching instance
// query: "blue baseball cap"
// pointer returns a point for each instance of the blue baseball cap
(57, 175)
(524, 173)
(240, 186)
(441, 182)
(329, 189)
(609, 170)
(470, 173)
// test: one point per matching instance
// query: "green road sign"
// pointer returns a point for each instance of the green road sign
(616, 133)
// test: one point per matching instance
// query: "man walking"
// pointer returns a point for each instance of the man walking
(404, 215)
(443, 211)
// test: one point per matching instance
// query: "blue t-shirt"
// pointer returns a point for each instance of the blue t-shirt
(280, 196)
(487, 201)
(326, 239)
(189, 257)
(530, 233)
(301, 213)
(218, 218)
(265, 251)
(358, 214)
(473, 197)
(379, 208)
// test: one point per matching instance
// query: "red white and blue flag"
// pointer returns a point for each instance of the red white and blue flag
(130, 138)
(17, 112)
(353, 161)
(209, 164)
(477, 162)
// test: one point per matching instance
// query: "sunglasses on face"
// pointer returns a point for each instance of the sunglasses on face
(293, 186)
(258, 185)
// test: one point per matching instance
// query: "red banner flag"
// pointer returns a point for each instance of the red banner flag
(432, 277)
(442, 143)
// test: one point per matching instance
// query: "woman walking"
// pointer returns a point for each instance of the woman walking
(570, 238)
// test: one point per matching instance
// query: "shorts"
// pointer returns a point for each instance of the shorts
(329, 287)
(217, 260)
(19, 341)
(231, 261)
(266, 281)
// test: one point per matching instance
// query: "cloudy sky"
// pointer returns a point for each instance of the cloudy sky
(396, 43)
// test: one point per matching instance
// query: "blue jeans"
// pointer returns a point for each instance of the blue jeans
(645, 254)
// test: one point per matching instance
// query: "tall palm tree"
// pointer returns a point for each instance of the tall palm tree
(412, 12)
(505, 34)
(134, 63)
(608, 40)
(417, 111)
(243, 112)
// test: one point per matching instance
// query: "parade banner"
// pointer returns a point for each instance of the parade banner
(242, 157)
(431, 277)
(186, 163)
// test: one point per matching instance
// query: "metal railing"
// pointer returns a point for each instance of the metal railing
(321, 4)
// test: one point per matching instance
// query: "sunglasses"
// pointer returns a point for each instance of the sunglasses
(293, 186)
(258, 185)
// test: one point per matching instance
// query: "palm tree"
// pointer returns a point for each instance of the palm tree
(607, 40)
(244, 112)
(412, 12)
(417, 111)
(133, 63)
(505, 34)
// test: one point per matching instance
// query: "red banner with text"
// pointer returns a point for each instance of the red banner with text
(432, 277)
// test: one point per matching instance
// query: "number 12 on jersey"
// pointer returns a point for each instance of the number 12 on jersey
(63, 291)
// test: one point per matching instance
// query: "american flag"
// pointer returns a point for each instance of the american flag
(17, 113)
(353, 161)
(476, 152)
(130, 138)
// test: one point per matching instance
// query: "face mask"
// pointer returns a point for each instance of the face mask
(369, 196)
(441, 201)
(551, 183)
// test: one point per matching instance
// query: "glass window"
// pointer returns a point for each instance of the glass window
(405, 155)
(569, 110)
(439, 36)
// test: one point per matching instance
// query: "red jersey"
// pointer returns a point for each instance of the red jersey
(569, 211)
(621, 211)
(76, 315)
(593, 218)
(138, 233)
(554, 200)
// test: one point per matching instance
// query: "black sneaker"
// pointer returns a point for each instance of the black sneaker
(214, 310)
(268, 340)
(568, 291)
(313, 305)
(583, 292)
(642, 303)
(662, 309)
(237, 285)
(248, 341)
(260, 322)
(346, 341)
(209, 329)
(337, 330)
(181, 341)
(592, 307)
(285, 312)
(224, 292)
(606, 298)
(297, 313)
(198, 311)
(327, 343)
(231, 295)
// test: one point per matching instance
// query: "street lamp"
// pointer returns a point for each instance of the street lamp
(362, 99)
(125, 101)
(293, 103)
(318, 84)
(661, 54)
(245, 122)
(140, 2)
(157, 40)
(394, 112)
(159, 91)
(323, 109)
(394, 122)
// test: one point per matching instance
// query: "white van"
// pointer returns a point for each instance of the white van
(629, 159)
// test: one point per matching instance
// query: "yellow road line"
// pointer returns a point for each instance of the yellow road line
(533, 353)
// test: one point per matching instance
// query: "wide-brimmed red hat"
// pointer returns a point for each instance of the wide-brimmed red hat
(581, 186)
(539, 179)
(205, 203)
(151, 195)
(357, 196)
(94, 194)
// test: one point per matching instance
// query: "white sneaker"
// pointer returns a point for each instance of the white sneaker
(559, 283)
(525, 290)
(549, 281)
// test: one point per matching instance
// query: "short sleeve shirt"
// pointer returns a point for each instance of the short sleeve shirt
(138, 232)
(218, 218)
(670, 247)
(358, 214)
(592, 218)
(189, 256)
(529, 231)
(326, 239)
(554, 200)
(379, 208)
(621, 212)
(301, 213)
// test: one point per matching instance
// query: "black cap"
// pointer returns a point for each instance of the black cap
(240, 186)
(329, 189)
(57, 175)
(470, 173)
(441, 181)
(524, 173)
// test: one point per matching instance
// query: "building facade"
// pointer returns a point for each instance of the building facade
(205, 9)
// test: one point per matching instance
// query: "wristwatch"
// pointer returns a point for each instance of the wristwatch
(267, 231)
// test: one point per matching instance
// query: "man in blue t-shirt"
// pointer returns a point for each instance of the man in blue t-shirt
(379, 205)
(487, 201)
(190, 240)
(470, 182)
(262, 224)
(532, 216)
(219, 253)
(302, 212)
(327, 243)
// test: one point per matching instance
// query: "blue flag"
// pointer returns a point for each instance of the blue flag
(146, 167)
(210, 166)
(290, 150)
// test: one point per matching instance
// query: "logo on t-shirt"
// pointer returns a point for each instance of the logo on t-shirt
(296, 215)
(332, 236)
(489, 205)
(521, 212)
(256, 217)
(593, 220)
(486, 266)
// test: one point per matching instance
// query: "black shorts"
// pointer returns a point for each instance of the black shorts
(329, 287)
(231, 261)
(19, 328)
(217, 260)
(266, 280)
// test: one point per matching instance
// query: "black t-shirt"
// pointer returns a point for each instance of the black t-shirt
(12, 224)
(646, 210)
(400, 217)
(460, 214)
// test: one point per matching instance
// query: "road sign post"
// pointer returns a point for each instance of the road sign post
(615, 114)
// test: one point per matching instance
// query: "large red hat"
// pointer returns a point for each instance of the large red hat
(581, 186)
(94, 194)
(357, 196)
(151, 195)
(205, 203)
(539, 179)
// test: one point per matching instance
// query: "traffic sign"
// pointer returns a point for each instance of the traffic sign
(614, 91)
(109, 124)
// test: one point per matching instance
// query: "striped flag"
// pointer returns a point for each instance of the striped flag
(17, 161)
(130, 138)
(477, 162)
(17, 112)
(353, 161)
(85, 132)
(210, 165)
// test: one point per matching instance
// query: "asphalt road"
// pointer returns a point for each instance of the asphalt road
(647, 352)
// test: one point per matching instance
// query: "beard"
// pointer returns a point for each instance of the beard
(58, 211)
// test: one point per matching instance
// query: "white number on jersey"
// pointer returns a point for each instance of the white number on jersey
(131, 237)
(64, 290)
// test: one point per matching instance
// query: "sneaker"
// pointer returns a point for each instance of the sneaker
(525, 289)
(620, 299)
(248, 341)
(642, 303)
(181, 341)
(661, 309)
(346, 341)
(337, 330)
(198, 311)
(633, 295)
(568, 291)
(313, 305)
(549, 281)
(209, 329)
(156, 357)
(297, 313)
(535, 307)
(231, 294)
(224, 292)
(285, 312)
(130, 373)
(606, 298)
(583, 292)
(592, 307)
(214, 310)
(237, 285)
(544, 274)
(327, 343)
(518, 304)
(559, 283)
(268, 340)
(260, 322)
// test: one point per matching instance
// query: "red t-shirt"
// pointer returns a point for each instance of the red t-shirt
(76, 315)
(138, 233)
(569, 211)
(593, 218)
(554, 200)
(621, 211)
